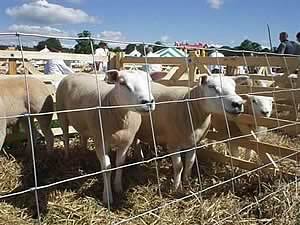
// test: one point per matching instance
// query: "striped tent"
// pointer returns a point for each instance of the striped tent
(135, 53)
(171, 52)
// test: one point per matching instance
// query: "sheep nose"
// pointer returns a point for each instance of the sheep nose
(237, 105)
(145, 102)
(265, 113)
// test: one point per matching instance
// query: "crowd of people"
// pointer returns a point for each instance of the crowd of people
(58, 66)
(288, 47)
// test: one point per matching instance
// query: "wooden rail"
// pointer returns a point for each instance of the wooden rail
(185, 70)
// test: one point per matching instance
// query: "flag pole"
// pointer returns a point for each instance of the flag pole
(270, 40)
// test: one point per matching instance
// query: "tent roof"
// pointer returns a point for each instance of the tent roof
(135, 53)
(216, 54)
(45, 49)
(171, 52)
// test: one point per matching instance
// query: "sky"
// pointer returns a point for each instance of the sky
(220, 22)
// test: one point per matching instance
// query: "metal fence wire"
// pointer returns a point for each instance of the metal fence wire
(157, 158)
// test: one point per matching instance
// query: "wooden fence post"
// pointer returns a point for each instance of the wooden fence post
(12, 66)
(118, 60)
(192, 66)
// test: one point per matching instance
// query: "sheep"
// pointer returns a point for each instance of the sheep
(172, 128)
(261, 106)
(79, 91)
(13, 102)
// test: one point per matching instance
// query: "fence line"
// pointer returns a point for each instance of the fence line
(234, 177)
(137, 105)
(134, 42)
(166, 156)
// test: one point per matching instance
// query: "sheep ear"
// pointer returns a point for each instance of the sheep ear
(240, 79)
(203, 80)
(112, 76)
(158, 75)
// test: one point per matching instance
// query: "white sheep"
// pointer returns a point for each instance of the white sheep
(172, 127)
(261, 106)
(78, 91)
(13, 102)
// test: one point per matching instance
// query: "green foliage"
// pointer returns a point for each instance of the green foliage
(84, 46)
(117, 49)
(248, 45)
(51, 43)
(129, 48)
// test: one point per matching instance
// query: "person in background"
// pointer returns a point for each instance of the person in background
(151, 67)
(298, 37)
(102, 51)
(286, 46)
(298, 44)
(57, 66)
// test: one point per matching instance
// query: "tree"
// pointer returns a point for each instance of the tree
(51, 43)
(84, 46)
(249, 46)
(265, 50)
(116, 49)
(129, 48)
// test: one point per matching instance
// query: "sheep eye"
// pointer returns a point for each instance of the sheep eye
(215, 88)
(123, 83)
(254, 101)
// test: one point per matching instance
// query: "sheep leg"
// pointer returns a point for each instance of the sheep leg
(34, 132)
(177, 168)
(190, 158)
(120, 159)
(45, 124)
(138, 150)
(2, 132)
(83, 141)
(105, 164)
(64, 123)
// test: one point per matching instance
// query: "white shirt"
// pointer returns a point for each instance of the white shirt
(152, 67)
(101, 52)
(57, 66)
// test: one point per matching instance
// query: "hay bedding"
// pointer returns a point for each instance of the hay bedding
(79, 202)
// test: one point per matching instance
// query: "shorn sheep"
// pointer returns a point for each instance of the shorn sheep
(261, 106)
(14, 102)
(172, 127)
(79, 91)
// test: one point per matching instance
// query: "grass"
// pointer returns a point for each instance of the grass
(79, 202)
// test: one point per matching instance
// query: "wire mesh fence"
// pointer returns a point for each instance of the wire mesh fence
(190, 151)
